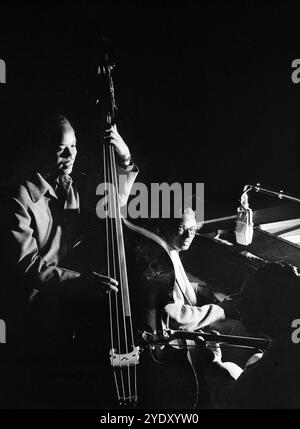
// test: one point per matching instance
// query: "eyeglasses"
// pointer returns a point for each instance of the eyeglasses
(182, 230)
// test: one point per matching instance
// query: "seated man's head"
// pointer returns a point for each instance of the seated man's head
(179, 232)
(57, 142)
(270, 300)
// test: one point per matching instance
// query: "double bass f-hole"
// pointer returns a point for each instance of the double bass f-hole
(123, 354)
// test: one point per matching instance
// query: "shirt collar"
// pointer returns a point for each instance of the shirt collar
(38, 187)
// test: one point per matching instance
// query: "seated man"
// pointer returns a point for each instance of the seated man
(168, 296)
(270, 306)
(185, 311)
(170, 299)
(43, 218)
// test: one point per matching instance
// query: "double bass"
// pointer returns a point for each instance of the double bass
(142, 375)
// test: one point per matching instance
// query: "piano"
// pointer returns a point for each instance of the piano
(219, 261)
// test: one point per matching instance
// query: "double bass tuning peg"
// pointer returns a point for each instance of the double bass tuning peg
(101, 69)
(104, 69)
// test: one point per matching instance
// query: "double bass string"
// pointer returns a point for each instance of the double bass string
(115, 214)
(115, 324)
(107, 242)
(122, 265)
(125, 288)
(109, 231)
(115, 242)
(113, 196)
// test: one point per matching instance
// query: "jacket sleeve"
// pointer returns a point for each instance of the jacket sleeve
(127, 176)
(178, 315)
(23, 248)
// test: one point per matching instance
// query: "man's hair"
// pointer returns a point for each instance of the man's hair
(170, 225)
(271, 297)
(47, 136)
(52, 128)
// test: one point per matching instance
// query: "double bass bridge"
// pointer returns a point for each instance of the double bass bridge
(121, 360)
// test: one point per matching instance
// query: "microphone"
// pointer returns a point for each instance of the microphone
(244, 223)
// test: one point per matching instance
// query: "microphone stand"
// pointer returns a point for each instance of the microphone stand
(279, 194)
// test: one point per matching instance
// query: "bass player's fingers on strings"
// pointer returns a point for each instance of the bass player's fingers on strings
(105, 278)
(108, 287)
(108, 282)
(111, 130)
(111, 133)
(112, 136)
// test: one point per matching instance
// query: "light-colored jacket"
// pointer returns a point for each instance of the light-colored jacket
(185, 312)
(40, 236)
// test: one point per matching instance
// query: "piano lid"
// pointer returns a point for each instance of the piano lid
(288, 229)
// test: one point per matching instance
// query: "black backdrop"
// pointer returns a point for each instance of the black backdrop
(204, 90)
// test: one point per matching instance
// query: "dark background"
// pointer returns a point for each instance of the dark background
(204, 90)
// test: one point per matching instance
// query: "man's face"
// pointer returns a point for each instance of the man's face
(66, 151)
(182, 238)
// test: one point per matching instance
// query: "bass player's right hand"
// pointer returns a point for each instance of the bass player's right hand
(91, 286)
